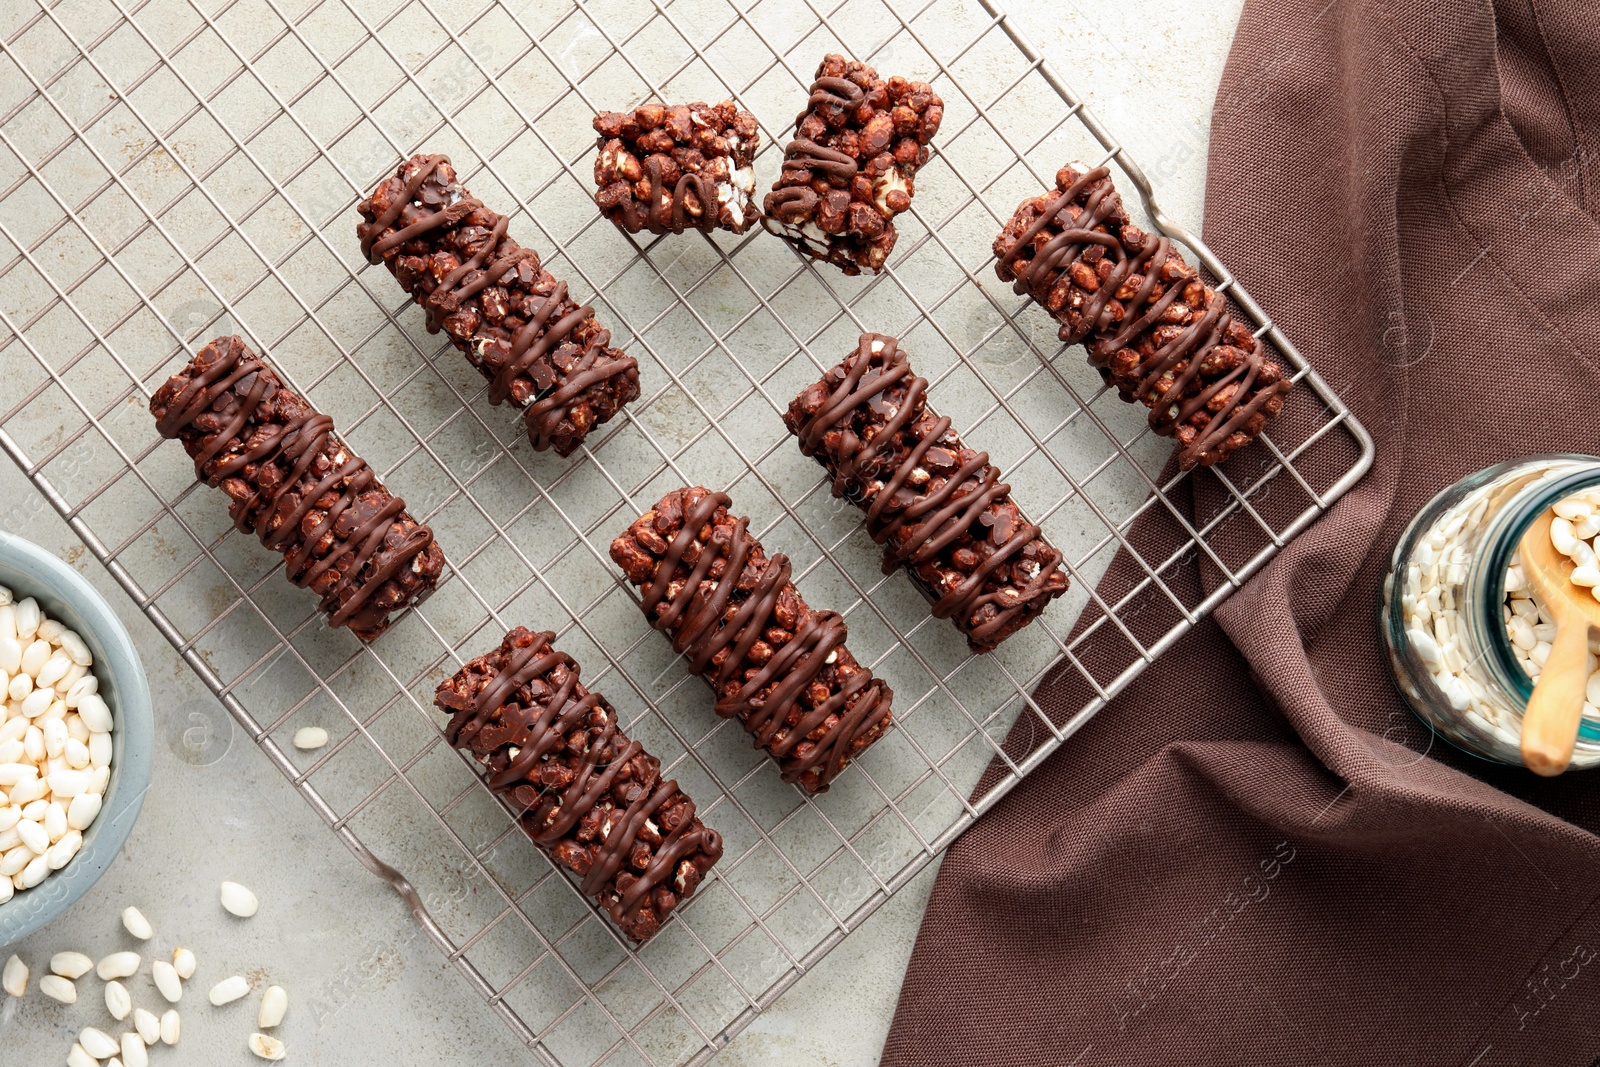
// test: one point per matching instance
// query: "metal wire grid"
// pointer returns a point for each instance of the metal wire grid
(174, 171)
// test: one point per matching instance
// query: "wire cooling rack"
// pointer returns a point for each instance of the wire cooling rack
(171, 170)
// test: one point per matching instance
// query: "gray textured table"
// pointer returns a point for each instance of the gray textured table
(364, 985)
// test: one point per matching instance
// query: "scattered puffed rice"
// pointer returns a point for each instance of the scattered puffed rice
(183, 962)
(117, 965)
(58, 988)
(267, 1048)
(147, 1024)
(310, 738)
(170, 1027)
(77, 1057)
(72, 965)
(228, 990)
(14, 979)
(274, 1003)
(133, 1051)
(238, 900)
(136, 924)
(118, 1001)
(98, 1043)
(166, 979)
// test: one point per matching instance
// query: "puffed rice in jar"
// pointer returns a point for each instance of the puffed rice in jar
(1465, 634)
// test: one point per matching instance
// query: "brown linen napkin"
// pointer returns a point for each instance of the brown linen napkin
(1256, 855)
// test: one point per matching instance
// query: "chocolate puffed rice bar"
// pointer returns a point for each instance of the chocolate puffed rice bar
(778, 666)
(667, 169)
(938, 508)
(852, 165)
(509, 316)
(589, 797)
(1153, 329)
(296, 485)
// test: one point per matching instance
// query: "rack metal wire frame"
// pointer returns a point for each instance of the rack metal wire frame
(92, 294)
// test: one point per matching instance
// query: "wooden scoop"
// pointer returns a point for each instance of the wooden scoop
(1550, 725)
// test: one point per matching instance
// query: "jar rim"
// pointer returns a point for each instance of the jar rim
(1486, 576)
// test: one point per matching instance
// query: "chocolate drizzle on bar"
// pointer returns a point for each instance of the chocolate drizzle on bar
(472, 294)
(779, 667)
(339, 530)
(928, 523)
(841, 93)
(588, 795)
(938, 507)
(793, 203)
(803, 155)
(1151, 326)
(660, 220)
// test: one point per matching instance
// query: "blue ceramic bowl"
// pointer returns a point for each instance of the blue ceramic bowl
(28, 570)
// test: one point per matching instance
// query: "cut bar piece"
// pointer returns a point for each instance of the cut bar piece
(938, 508)
(669, 169)
(587, 795)
(295, 485)
(507, 314)
(1153, 329)
(853, 163)
(777, 665)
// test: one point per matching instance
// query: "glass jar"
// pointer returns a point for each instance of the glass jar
(1444, 615)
